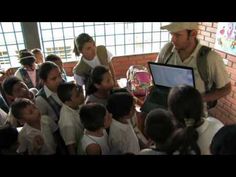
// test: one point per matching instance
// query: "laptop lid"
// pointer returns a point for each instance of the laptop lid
(167, 75)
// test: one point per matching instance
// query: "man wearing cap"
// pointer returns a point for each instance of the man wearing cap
(28, 72)
(184, 52)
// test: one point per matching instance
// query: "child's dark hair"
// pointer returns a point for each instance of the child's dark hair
(159, 125)
(26, 57)
(80, 41)
(52, 58)
(45, 69)
(92, 116)
(223, 142)
(96, 78)
(18, 105)
(120, 104)
(8, 136)
(185, 102)
(9, 83)
(64, 91)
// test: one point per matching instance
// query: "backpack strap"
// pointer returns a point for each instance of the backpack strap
(202, 65)
(54, 105)
(167, 54)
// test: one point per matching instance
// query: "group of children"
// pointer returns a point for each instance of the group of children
(56, 117)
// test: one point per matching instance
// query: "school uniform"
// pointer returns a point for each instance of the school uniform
(101, 141)
(27, 136)
(45, 108)
(70, 126)
(122, 138)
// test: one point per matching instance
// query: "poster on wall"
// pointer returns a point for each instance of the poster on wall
(226, 37)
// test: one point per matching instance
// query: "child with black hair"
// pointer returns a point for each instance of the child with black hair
(57, 60)
(100, 86)
(47, 99)
(92, 56)
(69, 123)
(186, 104)
(14, 89)
(28, 72)
(122, 138)
(36, 136)
(8, 140)
(95, 119)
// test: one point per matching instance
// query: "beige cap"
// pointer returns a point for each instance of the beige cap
(179, 26)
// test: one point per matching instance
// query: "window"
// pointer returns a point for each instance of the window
(120, 38)
(11, 41)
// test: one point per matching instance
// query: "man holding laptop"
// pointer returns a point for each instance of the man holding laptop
(183, 51)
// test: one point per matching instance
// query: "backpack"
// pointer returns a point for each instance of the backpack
(138, 80)
(202, 66)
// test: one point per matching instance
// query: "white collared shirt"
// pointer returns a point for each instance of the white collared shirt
(44, 106)
(70, 125)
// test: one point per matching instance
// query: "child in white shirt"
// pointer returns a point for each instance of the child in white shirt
(95, 119)
(69, 123)
(122, 138)
(36, 136)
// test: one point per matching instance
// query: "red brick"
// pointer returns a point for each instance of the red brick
(209, 39)
(205, 33)
(211, 29)
(207, 24)
(215, 25)
(222, 54)
(230, 64)
(204, 43)
(231, 58)
(212, 45)
(202, 27)
(213, 35)
(224, 101)
(201, 37)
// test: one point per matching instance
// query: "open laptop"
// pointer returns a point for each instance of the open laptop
(165, 77)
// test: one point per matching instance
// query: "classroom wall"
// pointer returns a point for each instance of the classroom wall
(225, 111)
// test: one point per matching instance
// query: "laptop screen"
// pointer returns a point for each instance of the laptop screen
(171, 75)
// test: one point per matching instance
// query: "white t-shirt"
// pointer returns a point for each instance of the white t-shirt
(122, 138)
(93, 63)
(70, 126)
(101, 141)
(206, 132)
(27, 137)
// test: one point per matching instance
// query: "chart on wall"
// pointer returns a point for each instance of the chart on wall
(226, 37)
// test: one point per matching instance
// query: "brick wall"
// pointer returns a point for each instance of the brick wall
(226, 108)
(120, 63)
(225, 111)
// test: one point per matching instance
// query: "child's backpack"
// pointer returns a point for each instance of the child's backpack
(138, 80)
